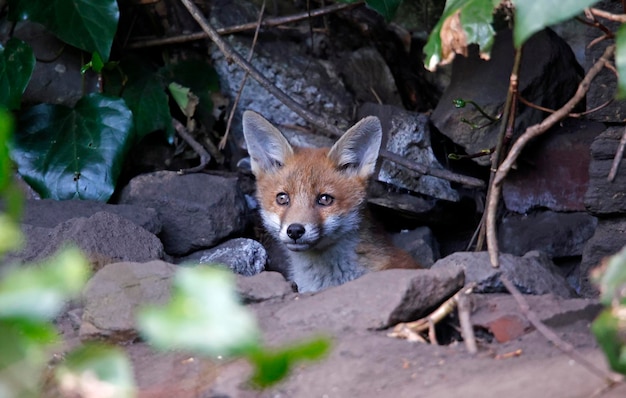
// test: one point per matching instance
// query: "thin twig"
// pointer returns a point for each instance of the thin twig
(270, 22)
(549, 334)
(222, 143)
(618, 157)
(197, 147)
(464, 308)
(231, 54)
(621, 18)
(426, 170)
(572, 115)
(530, 133)
(411, 330)
(508, 117)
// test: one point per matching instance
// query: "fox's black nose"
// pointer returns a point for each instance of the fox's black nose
(295, 231)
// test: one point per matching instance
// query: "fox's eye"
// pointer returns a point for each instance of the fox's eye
(325, 200)
(282, 199)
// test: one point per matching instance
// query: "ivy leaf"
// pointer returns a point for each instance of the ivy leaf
(476, 17)
(609, 331)
(203, 316)
(39, 293)
(386, 8)
(95, 366)
(272, 366)
(620, 61)
(17, 63)
(532, 16)
(86, 24)
(73, 153)
(144, 92)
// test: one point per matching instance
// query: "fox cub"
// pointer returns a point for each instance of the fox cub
(313, 201)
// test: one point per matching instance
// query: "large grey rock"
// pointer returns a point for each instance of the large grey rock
(606, 197)
(113, 295)
(553, 171)
(312, 82)
(556, 234)
(408, 135)
(243, 256)
(104, 238)
(608, 239)
(549, 76)
(534, 273)
(378, 299)
(197, 210)
(50, 213)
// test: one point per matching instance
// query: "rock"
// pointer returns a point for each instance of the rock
(313, 83)
(604, 86)
(243, 256)
(500, 314)
(197, 210)
(533, 273)
(366, 74)
(605, 197)
(113, 295)
(407, 134)
(553, 171)
(50, 213)
(549, 77)
(104, 238)
(262, 287)
(608, 239)
(556, 234)
(420, 244)
(378, 299)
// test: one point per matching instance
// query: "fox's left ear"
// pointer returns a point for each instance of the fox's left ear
(357, 150)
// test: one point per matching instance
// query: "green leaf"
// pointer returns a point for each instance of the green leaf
(10, 235)
(17, 63)
(9, 191)
(96, 63)
(476, 18)
(73, 153)
(204, 315)
(532, 16)
(143, 90)
(620, 61)
(201, 78)
(95, 367)
(86, 24)
(613, 280)
(24, 345)
(272, 366)
(39, 292)
(386, 8)
(609, 331)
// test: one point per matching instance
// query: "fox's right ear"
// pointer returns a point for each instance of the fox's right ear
(267, 146)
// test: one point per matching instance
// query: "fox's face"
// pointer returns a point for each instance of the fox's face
(310, 198)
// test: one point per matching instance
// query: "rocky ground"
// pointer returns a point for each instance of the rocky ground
(513, 358)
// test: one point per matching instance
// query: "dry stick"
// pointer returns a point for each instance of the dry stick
(204, 155)
(270, 22)
(464, 307)
(618, 157)
(222, 143)
(551, 335)
(507, 118)
(607, 15)
(530, 133)
(423, 169)
(229, 53)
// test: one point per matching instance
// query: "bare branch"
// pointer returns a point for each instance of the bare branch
(530, 133)
(195, 145)
(269, 22)
(618, 157)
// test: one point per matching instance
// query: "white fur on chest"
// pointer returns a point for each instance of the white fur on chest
(317, 270)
